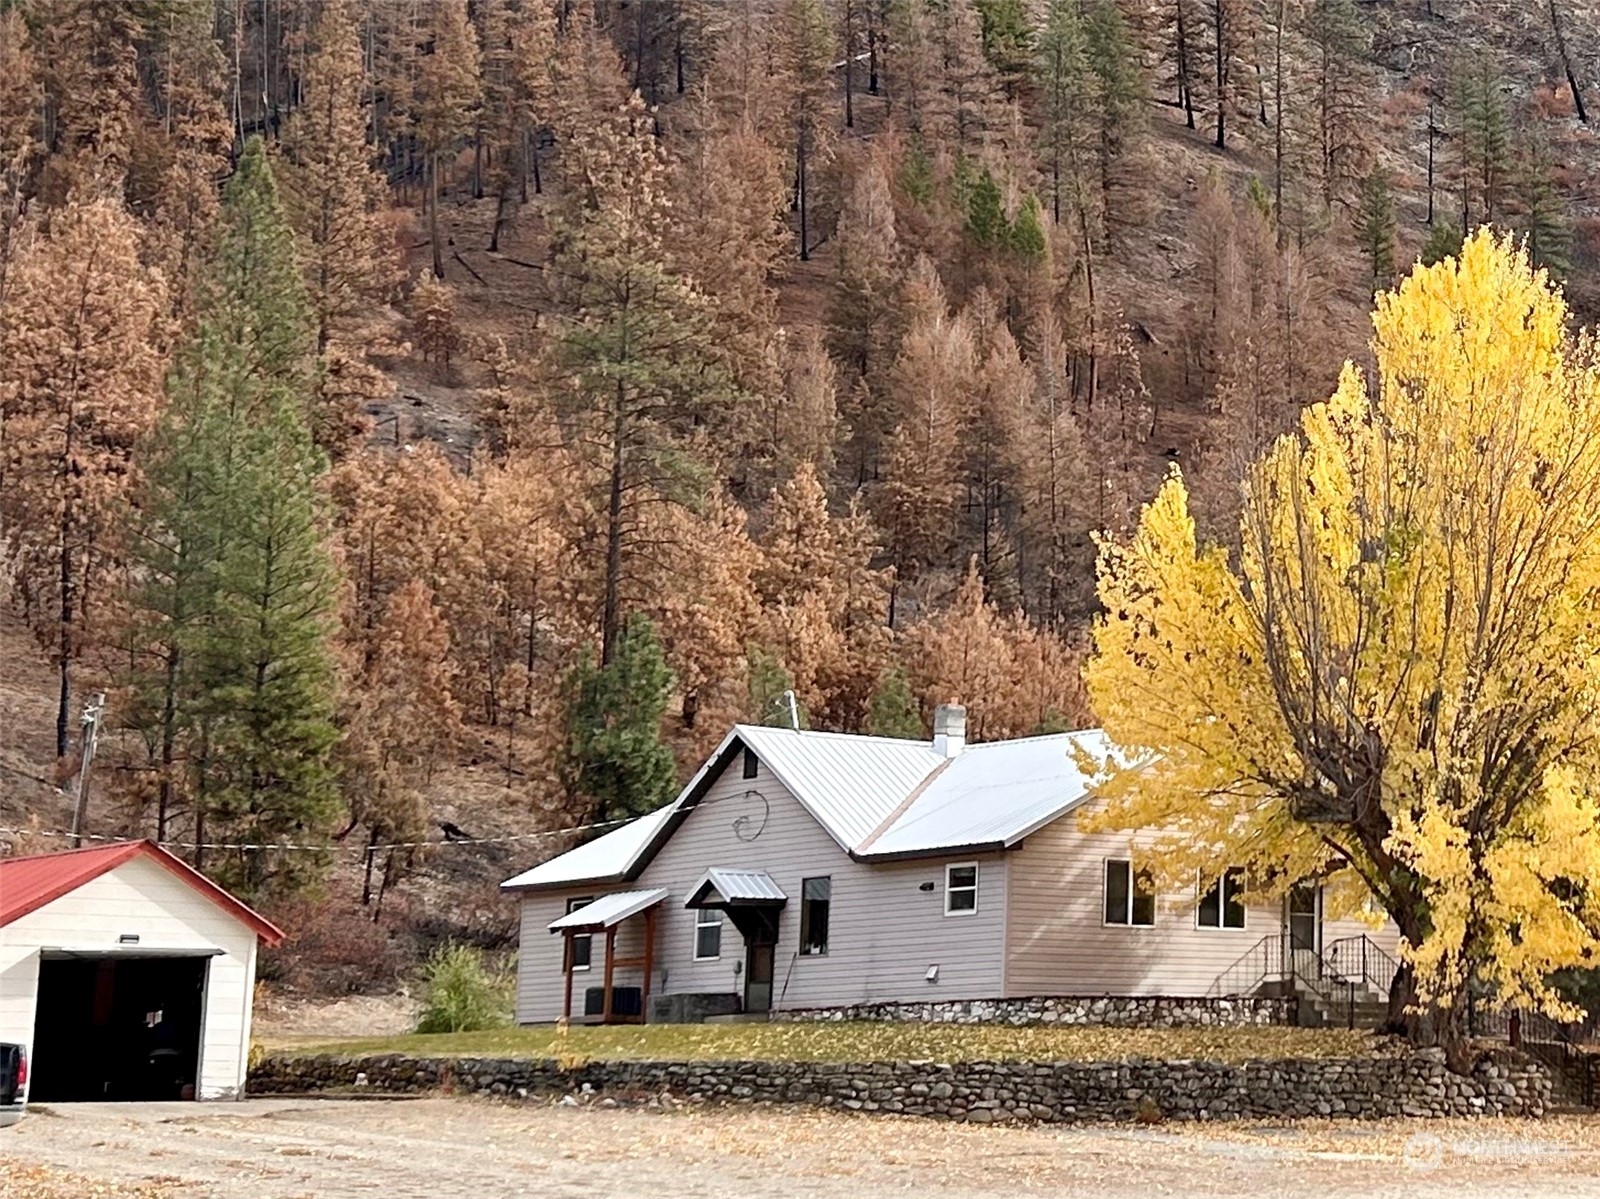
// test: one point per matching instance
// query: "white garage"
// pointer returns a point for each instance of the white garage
(127, 974)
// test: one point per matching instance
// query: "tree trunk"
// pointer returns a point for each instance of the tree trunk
(64, 647)
(1185, 91)
(169, 737)
(433, 216)
(608, 617)
(1566, 63)
(850, 63)
(1222, 74)
(800, 154)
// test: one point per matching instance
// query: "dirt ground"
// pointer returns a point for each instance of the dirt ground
(284, 1020)
(440, 1148)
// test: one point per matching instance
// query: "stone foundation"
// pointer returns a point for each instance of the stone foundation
(1416, 1084)
(1119, 1011)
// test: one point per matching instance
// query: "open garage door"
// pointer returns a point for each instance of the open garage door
(117, 1026)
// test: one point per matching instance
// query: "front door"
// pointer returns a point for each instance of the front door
(759, 958)
(1303, 917)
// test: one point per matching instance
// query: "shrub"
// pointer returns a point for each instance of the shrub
(460, 994)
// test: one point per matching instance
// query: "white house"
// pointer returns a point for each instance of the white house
(127, 974)
(809, 869)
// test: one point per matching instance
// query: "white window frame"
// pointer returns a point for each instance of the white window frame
(575, 904)
(1133, 886)
(976, 878)
(700, 922)
(1219, 881)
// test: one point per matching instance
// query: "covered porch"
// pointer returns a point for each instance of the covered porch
(752, 901)
(605, 917)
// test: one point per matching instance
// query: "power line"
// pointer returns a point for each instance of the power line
(275, 847)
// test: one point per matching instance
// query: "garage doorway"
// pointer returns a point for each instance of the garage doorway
(117, 1028)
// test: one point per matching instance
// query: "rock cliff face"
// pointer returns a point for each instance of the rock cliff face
(1416, 1085)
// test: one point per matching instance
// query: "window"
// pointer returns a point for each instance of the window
(583, 944)
(961, 889)
(1130, 894)
(752, 764)
(815, 895)
(1223, 906)
(707, 934)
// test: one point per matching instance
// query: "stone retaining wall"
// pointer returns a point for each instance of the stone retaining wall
(975, 1092)
(1114, 1010)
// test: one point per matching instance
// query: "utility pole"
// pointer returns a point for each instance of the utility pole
(89, 722)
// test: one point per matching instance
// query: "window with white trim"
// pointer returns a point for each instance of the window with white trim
(961, 889)
(581, 945)
(707, 934)
(1130, 894)
(1222, 905)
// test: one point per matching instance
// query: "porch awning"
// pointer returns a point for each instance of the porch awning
(608, 911)
(721, 887)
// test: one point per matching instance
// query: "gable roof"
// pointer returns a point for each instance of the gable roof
(606, 859)
(879, 798)
(28, 883)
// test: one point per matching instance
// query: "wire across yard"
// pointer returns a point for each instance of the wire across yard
(865, 1042)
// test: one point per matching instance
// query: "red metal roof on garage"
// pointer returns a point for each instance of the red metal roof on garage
(27, 884)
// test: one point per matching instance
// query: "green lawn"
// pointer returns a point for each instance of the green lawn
(859, 1042)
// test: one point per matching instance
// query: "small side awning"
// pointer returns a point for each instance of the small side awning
(722, 888)
(608, 911)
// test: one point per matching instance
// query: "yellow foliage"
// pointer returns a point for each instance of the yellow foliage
(1396, 671)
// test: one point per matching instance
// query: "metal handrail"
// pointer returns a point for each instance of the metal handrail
(1362, 960)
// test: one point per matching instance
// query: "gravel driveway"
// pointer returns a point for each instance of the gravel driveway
(440, 1148)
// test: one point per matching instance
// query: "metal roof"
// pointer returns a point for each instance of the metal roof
(28, 883)
(605, 859)
(608, 910)
(993, 794)
(878, 797)
(736, 887)
(850, 784)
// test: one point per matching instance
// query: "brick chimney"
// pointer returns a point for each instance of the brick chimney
(949, 730)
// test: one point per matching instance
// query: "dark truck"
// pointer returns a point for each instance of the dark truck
(13, 1082)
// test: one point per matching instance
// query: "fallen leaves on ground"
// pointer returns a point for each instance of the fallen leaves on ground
(45, 1182)
(872, 1042)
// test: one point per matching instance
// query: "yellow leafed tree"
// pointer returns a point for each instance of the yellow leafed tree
(1396, 675)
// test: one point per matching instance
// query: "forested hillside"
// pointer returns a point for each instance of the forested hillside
(420, 411)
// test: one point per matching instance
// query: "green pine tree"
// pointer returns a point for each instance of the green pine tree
(1443, 241)
(1375, 228)
(916, 172)
(1119, 103)
(1027, 231)
(1007, 38)
(768, 680)
(986, 214)
(615, 760)
(234, 613)
(1061, 74)
(894, 711)
(1484, 140)
(1546, 222)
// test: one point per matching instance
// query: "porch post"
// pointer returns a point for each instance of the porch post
(611, 956)
(649, 963)
(566, 968)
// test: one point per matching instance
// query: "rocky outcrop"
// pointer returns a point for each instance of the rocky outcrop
(1416, 1084)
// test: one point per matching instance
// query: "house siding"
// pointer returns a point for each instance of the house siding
(144, 898)
(884, 932)
(1057, 941)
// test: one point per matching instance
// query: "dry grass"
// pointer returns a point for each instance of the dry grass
(866, 1042)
